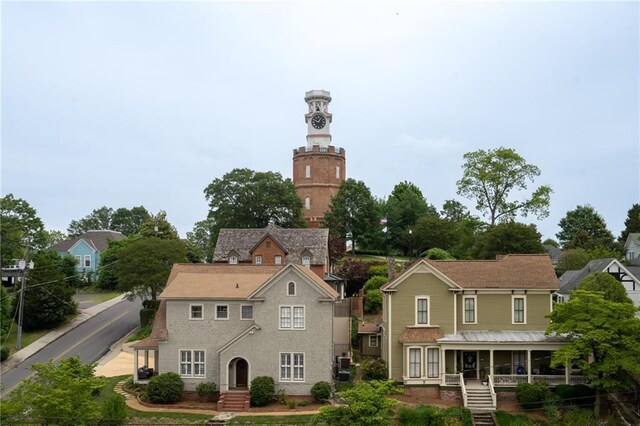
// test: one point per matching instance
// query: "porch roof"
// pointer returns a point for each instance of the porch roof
(159, 331)
(498, 336)
(421, 335)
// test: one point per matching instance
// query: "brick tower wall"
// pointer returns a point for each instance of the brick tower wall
(323, 182)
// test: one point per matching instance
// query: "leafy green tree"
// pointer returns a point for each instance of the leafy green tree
(365, 404)
(99, 218)
(47, 298)
(432, 231)
(490, 176)
(158, 226)
(454, 211)
(60, 394)
(584, 228)
(108, 277)
(243, 198)
(356, 272)
(6, 319)
(572, 260)
(67, 267)
(403, 208)
(352, 211)
(143, 265)
(551, 242)
(438, 254)
(129, 221)
(54, 237)
(508, 238)
(19, 226)
(201, 239)
(604, 339)
(604, 282)
(631, 223)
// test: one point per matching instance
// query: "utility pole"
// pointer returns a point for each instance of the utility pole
(23, 265)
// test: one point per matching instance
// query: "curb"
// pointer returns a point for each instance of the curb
(24, 353)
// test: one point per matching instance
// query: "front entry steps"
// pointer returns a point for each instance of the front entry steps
(479, 399)
(483, 418)
(234, 401)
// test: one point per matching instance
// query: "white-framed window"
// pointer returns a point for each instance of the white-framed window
(291, 289)
(433, 363)
(307, 203)
(277, 260)
(519, 309)
(469, 306)
(196, 312)
(78, 261)
(246, 312)
(233, 260)
(222, 312)
(306, 261)
(307, 171)
(415, 362)
(422, 310)
(87, 261)
(292, 317)
(192, 363)
(292, 367)
(373, 341)
(258, 260)
(337, 172)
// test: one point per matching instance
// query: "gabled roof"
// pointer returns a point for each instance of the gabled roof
(292, 241)
(159, 331)
(633, 236)
(210, 281)
(570, 280)
(274, 239)
(98, 240)
(554, 252)
(513, 271)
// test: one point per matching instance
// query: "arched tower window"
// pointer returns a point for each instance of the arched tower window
(337, 172)
(307, 171)
(307, 203)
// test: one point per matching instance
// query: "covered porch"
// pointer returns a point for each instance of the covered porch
(145, 352)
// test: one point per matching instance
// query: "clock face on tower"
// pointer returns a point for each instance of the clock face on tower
(318, 121)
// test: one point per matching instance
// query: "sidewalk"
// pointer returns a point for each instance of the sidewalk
(85, 314)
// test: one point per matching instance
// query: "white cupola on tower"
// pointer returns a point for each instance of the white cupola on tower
(318, 118)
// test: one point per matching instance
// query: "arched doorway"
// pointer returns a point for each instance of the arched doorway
(238, 373)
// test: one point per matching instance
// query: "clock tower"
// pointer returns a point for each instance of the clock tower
(318, 167)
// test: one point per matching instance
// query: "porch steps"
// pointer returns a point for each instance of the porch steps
(479, 399)
(483, 418)
(234, 401)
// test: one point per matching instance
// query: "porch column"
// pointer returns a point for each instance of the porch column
(155, 361)
(443, 359)
(135, 365)
(146, 358)
(529, 365)
(567, 373)
(491, 362)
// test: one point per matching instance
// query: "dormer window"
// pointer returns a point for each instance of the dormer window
(306, 261)
(233, 260)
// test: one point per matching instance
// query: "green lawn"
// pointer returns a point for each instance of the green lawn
(28, 337)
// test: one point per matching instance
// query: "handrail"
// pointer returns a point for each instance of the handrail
(493, 392)
(464, 390)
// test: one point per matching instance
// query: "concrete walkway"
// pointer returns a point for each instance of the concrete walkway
(84, 315)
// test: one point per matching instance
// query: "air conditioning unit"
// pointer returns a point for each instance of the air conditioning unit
(344, 363)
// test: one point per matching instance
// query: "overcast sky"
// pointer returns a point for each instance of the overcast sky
(125, 104)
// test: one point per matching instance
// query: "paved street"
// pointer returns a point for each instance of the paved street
(89, 340)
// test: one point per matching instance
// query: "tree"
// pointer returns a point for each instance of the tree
(365, 404)
(244, 198)
(454, 211)
(403, 208)
(572, 260)
(60, 394)
(19, 226)
(604, 282)
(201, 237)
(508, 238)
(584, 228)
(129, 221)
(490, 176)
(352, 211)
(551, 242)
(144, 265)
(98, 219)
(356, 272)
(108, 277)
(157, 226)
(6, 320)
(604, 339)
(438, 254)
(432, 231)
(47, 298)
(54, 237)
(631, 223)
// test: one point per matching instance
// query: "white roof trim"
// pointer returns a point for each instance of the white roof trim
(422, 266)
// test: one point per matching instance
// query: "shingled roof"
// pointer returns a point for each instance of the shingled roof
(513, 271)
(570, 280)
(293, 241)
(159, 331)
(98, 240)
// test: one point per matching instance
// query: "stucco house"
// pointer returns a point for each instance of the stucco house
(231, 323)
(452, 325)
(86, 248)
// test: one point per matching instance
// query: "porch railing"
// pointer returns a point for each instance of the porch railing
(493, 392)
(451, 379)
(553, 380)
(464, 390)
(509, 379)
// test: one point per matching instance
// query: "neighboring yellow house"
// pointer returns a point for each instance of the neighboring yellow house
(451, 325)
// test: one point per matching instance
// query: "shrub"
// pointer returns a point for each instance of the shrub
(459, 416)
(262, 391)
(378, 271)
(374, 283)
(146, 317)
(354, 332)
(576, 394)
(206, 391)
(321, 391)
(165, 388)
(291, 404)
(151, 304)
(114, 410)
(303, 403)
(532, 395)
(373, 302)
(374, 369)
(4, 353)
(421, 415)
(437, 254)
